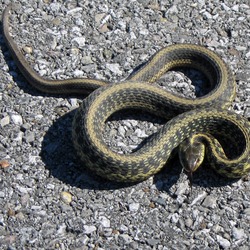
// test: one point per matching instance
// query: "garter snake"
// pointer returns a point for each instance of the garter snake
(198, 126)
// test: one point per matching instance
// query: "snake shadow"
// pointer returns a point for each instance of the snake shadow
(61, 160)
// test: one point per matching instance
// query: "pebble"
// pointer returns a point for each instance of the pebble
(78, 73)
(2, 194)
(29, 137)
(66, 197)
(153, 242)
(224, 243)
(182, 188)
(175, 218)
(27, 49)
(238, 233)
(248, 55)
(80, 41)
(2, 220)
(114, 68)
(4, 164)
(89, 229)
(86, 60)
(210, 201)
(5, 121)
(133, 207)
(16, 119)
(200, 197)
(247, 211)
(104, 221)
(188, 222)
(125, 238)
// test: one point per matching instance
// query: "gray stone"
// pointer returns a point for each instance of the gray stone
(224, 243)
(247, 211)
(210, 201)
(238, 233)
(29, 137)
(182, 188)
(125, 238)
(104, 221)
(87, 60)
(5, 121)
(153, 242)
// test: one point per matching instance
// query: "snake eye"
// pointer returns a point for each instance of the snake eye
(191, 153)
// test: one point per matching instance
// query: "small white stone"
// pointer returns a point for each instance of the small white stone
(17, 119)
(144, 32)
(225, 7)
(132, 35)
(175, 218)
(235, 8)
(123, 228)
(39, 117)
(27, 49)
(50, 186)
(224, 243)
(122, 25)
(62, 229)
(104, 221)
(200, 197)
(89, 229)
(114, 67)
(140, 133)
(248, 55)
(133, 207)
(19, 136)
(73, 102)
(240, 48)
(121, 131)
(5, 121)
(183, 187)
(207, 15)
(80, 41)
(78, 73)
(173, 10)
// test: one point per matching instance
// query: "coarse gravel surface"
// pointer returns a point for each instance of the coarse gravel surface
(47, 200)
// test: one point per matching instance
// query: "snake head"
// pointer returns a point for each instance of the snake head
(191, 154)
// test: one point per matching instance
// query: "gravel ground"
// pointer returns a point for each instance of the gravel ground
(47, 201)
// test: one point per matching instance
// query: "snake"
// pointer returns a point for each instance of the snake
(201, 129)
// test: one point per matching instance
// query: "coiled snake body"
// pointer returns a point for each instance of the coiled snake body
(197, 125)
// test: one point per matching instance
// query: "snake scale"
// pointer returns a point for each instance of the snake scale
(199, 127)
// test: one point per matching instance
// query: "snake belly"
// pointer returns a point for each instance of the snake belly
(207, 115)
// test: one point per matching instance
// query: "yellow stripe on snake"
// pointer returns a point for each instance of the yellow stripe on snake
(198, 126)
